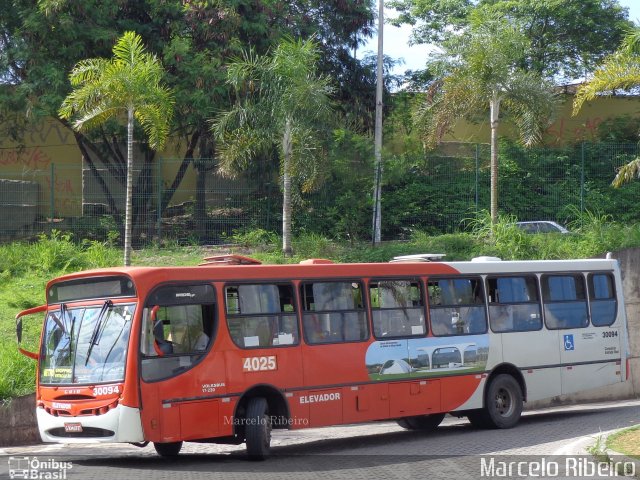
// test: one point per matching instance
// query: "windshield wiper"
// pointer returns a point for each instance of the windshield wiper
(115, 342)
(98, 328)
(65, 315)
(60, 324)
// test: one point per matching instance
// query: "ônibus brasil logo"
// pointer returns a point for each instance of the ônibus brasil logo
(34, 468)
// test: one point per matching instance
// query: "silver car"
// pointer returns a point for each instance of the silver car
(542, 226)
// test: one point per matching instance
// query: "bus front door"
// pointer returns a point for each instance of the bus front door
(181, 376)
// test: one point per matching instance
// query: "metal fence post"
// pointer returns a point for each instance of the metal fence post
(477, 175)
(582, 178)
(159, 199)
(52, 182)
(268, 222)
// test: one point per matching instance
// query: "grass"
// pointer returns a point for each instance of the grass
(626, 441)
(25, 268)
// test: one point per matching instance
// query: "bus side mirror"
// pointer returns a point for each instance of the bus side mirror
(157, 331)
(31, 311)
(19, 330)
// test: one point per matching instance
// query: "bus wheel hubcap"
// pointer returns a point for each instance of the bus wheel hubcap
(503, 402)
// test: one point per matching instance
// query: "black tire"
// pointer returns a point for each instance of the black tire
(168, 449)
(421, 422)
(403, 423)
(258, 429)
(502, 404)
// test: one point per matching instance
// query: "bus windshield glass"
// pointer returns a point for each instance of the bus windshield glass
(86, 345)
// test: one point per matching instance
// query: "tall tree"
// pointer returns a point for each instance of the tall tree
(282, 104)
(340, 27)
(130, 82)
(619, 71)
(479, 71)
(194, 40)
(565, 37)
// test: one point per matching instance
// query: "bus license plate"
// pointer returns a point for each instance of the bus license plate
(73, 427)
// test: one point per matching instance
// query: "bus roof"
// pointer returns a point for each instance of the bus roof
(224, 272)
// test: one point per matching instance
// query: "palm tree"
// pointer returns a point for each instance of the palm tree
(128, 83)
(478, 71)
(281, 106)
(620, 71)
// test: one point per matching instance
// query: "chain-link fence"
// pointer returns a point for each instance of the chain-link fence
(186, 201)
(546, 183)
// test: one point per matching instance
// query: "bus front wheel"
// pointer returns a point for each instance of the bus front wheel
(503, 404)
(422, 422)
(258, 429)
(171, 449)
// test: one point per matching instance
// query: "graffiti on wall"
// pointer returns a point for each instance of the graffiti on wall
(34, 164)
(564, 129)
(65, 198)
(33, 158)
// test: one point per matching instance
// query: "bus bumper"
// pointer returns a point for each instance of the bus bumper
(121, 424)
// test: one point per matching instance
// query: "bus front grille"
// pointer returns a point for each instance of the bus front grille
(87, 432)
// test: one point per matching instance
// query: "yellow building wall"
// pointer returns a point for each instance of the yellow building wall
(564, 129)
(46, 145)
(49, 151)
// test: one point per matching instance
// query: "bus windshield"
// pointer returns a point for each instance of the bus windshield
(86, 344)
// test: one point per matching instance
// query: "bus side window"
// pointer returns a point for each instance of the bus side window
(602, 299)
(333, 312)
(178, 329)
(513, 304)
(456, 306)
(398, 308)
(565, 301)
(261, 315)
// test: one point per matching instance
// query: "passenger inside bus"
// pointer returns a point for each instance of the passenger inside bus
(201, 343)
(501, 318)
(164, 345)
(180, 329)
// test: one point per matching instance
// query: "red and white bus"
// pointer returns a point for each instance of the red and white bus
(228, 350)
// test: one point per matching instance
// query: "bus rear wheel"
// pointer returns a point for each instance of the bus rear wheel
(503, 404)
(171, 449)
(258, 429)
(421, 422)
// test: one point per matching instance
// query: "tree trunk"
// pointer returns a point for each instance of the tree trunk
(286, 190)
(80, 141)
(495, 114)
(377, 181)
(203, 165)
(128, 210)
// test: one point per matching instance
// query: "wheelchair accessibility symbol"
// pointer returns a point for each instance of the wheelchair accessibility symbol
(568, 342)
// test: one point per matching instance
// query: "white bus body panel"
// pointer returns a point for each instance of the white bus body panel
(597, 356)
(537, 356)
(124, 421)
(585, 348)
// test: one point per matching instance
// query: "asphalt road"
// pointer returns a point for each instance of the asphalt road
(543, 439)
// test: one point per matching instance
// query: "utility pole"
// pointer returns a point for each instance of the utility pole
(377, 183)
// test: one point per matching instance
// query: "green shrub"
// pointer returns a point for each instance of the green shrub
(256, 238)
